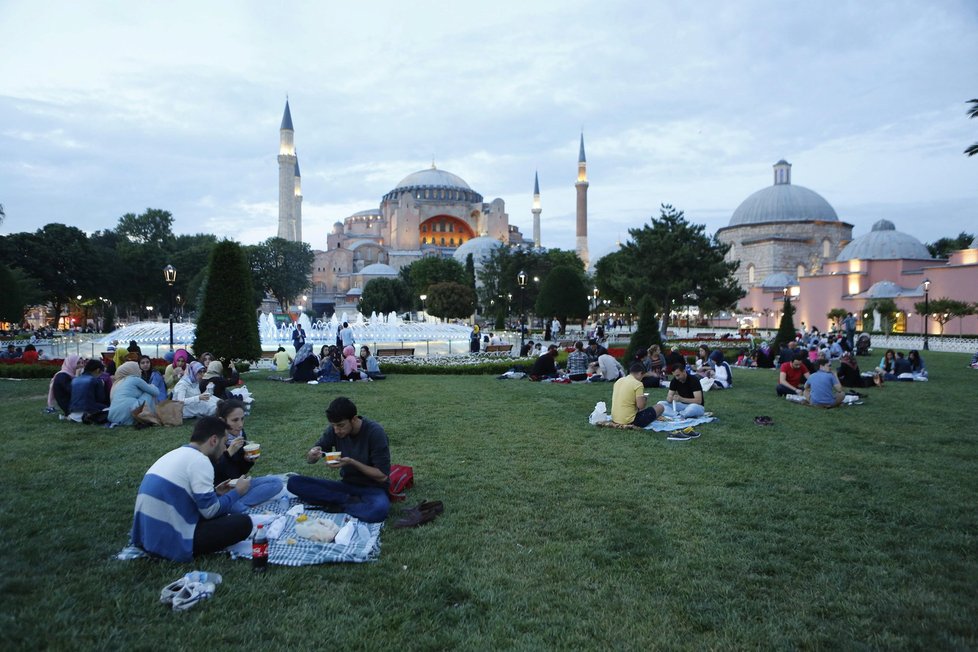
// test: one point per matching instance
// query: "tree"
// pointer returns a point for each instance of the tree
(228, 324)
(2, 214)
(942, 310)
(60, 257)
(972, 113)
(943, 247)
(563, 294)
(12, 301)
(499, 274)
(647, 333)
(422, 274)
(786, 329)
(669, 260)
(383, 295)
(836, 315)
(888, 314)
(143, 247)
(450, 300)
(470, 271)
(281, 267)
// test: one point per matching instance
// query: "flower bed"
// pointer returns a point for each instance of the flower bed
(463, 365)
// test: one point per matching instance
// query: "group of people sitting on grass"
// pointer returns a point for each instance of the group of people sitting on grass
(331, 365)
(591, 363)
(93, 391)
(28, 354)
(194, 499)
(629, 401)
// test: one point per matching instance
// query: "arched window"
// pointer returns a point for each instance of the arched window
(443, 242)
(799, 271)
(826, 248)
(750, 273)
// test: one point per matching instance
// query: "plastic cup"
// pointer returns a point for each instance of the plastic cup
(332, 457)
(252, 451)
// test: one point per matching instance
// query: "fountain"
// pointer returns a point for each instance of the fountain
(427, 338)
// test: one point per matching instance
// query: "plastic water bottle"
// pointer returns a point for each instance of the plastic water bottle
(209, 389)
(259, 551)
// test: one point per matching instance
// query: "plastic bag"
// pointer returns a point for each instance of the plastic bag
(600, 414)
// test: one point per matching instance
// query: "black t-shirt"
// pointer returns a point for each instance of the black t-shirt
(369, 446)
(686, 389)
(545, 365)
(674, 357)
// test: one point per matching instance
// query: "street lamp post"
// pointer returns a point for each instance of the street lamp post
(926, 310)
(170, 276)
(424, 315)
(521, 281)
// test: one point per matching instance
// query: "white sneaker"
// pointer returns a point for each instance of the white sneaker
(191, 594)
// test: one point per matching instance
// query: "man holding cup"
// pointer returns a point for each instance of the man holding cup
(178, 513)
(363, 459)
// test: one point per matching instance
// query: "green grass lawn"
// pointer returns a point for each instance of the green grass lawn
(847, 528)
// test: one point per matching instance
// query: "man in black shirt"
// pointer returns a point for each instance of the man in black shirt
(594, 350)
(546, 365)
(685, 397)
(364, 465)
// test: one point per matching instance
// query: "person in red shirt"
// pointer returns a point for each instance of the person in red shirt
(30, 354)
(792, 377)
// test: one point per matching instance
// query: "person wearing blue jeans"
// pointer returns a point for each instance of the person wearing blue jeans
(364, 462)
(685, 393)
(234, 463)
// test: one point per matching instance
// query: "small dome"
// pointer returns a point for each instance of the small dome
(378, 269)
(368, 212)
(783, 203)
(779, 281)
(884, 242)
(432, 178)
(885, 290)
(480, 248)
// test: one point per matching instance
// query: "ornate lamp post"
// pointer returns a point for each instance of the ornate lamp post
(926, 311)
(424, 315)
(521, 281)
(170, 276)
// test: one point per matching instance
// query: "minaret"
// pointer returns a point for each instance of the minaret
(536, 210)
(286, 177)
(581, 186)
(297, 215)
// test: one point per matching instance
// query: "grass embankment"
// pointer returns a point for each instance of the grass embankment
(844, 528)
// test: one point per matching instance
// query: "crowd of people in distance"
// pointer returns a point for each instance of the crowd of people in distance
(332, 365)
(591, 363)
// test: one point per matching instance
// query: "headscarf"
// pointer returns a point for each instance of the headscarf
(214, 370)
(350, 361)
(304, 352)
(716, 356)
(69, 366)
(193, 370)
(125, 370)
(180, 354)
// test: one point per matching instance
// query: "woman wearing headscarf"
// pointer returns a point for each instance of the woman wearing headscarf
(176, 369)
(152, 376)
(305, 365)
(723, 376)
(59, 391)
(186, 390)
(130, 393)
(214, 375)
(351, 365)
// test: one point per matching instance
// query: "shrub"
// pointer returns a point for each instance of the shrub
(227, 326)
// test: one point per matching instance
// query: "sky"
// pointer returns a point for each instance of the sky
(109, 108)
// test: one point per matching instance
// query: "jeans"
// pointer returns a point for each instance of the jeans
(784, 390)
(685, 410)
(369, 504)
(262, 489)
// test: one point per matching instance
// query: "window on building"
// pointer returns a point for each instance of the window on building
(826, 248)
(799, 271)
(443, 242)
(750, 273)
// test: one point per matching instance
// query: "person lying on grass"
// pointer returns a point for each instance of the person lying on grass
(179, 514)
(822, 389)
(364, 464)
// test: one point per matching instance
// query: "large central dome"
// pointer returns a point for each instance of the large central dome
(783, 202)
(432, 178)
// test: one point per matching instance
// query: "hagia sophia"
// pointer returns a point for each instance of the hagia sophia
(787, 238)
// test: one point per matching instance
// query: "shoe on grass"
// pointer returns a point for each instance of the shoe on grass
(191, 594)
(678, 435)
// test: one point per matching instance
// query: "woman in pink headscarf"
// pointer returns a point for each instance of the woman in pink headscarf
(59, 391)
(351, 365)
(176, 369)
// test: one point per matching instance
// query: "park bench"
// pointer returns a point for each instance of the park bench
(499, 348)
(387, 353)
(706, 336)
(566, 344)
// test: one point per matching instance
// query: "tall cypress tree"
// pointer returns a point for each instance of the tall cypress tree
(647, 332)
(786, 329)
(228, 321)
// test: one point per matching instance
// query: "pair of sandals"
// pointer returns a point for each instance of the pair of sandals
(424, 512)
(764, 421)
(190, 589)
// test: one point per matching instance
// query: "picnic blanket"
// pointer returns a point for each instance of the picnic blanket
(669, 425)
(355, 542)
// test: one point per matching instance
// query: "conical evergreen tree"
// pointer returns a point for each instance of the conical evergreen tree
(786, 329)
(647, 332)
(228, 321)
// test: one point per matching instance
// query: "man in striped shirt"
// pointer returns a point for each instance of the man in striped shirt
(179, 513)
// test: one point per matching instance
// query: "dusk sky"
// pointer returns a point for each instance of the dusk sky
(112, 107)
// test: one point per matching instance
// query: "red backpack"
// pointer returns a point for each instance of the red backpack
(401, 479)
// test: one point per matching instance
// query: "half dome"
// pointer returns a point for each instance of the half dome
(779, 281)
(378, 269)
(884, 242)
(432, 178)
(480, 248)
